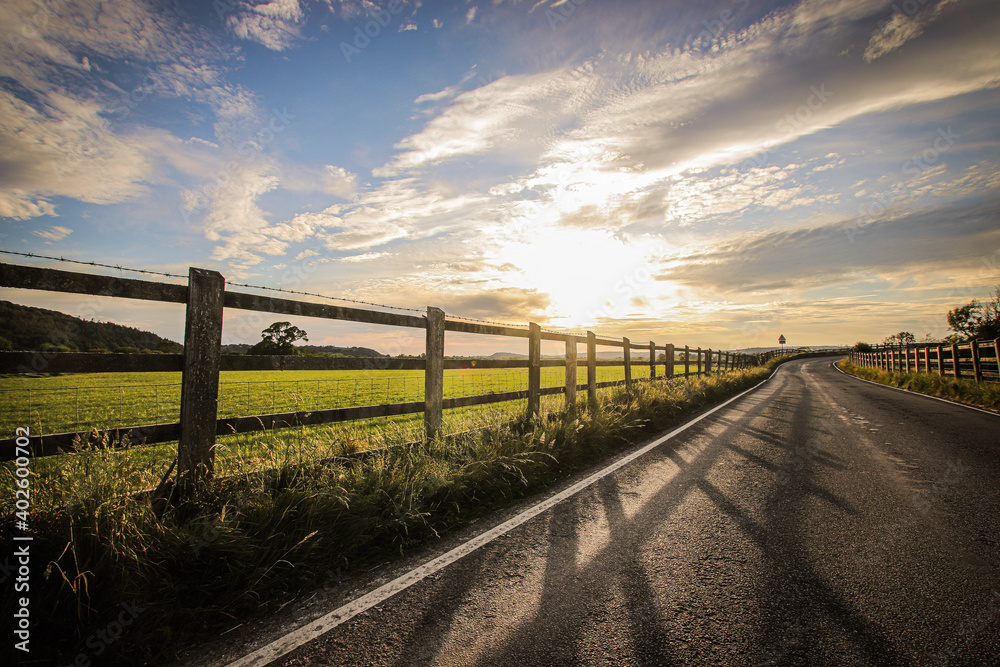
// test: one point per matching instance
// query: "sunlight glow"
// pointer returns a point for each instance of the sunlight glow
(589, 275)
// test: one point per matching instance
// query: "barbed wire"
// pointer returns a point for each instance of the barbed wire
(118, 267)
(106, 266)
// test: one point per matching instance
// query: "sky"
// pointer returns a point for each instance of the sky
(704, 173)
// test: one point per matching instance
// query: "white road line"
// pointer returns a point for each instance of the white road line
(310, 631)
(917, 393)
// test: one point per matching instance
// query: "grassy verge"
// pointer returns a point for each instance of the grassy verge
(112, 582)
(970, 392)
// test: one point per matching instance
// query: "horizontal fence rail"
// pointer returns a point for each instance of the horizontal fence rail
(200, 421)
(977, 360)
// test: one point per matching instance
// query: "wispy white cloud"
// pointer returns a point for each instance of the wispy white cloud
(364, 257)
(273, 24)
(53, 234)
(328, 179)
(903, 26)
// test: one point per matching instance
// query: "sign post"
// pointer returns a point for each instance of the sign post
(781, 342)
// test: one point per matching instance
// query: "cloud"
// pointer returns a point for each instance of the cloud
(328, 179)
(899, 29)
(943, 239)
(67, 148)
(365, 257)
(632, 131)
(503, 116)
(71, 128)
(506, 305)
(274, 24)
(53, 233)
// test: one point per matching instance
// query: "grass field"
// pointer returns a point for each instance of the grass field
(79, 402)
(62, 403)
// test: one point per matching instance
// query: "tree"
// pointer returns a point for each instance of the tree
(964, 320)
(977, 320)
(278, 339)
(989, 328)
(902, 338)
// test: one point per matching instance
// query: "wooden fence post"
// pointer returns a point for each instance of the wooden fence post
(627, 351)
(591, 370)
(200, 379)
(670, 360)
(570, 374)
(434, 373)
(996, 357)
(652, 360)
(534, 369)
(906, 351)
(976, 368)
(940, 360)
(699, 362)
(956, 370)
(708, 362)
(687, 361)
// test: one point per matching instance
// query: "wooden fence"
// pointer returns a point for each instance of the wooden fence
(206, 296)
(976, 359)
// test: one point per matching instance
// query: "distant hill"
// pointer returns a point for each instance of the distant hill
(28, 328)
(241, 348)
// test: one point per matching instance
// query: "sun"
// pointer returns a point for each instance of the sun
(589, 276)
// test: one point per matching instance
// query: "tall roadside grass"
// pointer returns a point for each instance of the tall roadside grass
(112, 581)
(983, 395)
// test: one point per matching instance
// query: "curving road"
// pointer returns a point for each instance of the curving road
(816, 520)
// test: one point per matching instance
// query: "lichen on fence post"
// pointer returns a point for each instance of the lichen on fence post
(434, 373)
(200, 379)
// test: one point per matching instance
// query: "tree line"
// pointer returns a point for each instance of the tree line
(29, 328)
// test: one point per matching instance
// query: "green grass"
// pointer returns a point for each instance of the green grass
(247, 543)
(60, 403)
(984, 395)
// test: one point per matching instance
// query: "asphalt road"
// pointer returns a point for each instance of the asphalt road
(817, 520)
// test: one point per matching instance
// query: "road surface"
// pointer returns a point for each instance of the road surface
(816, 520)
